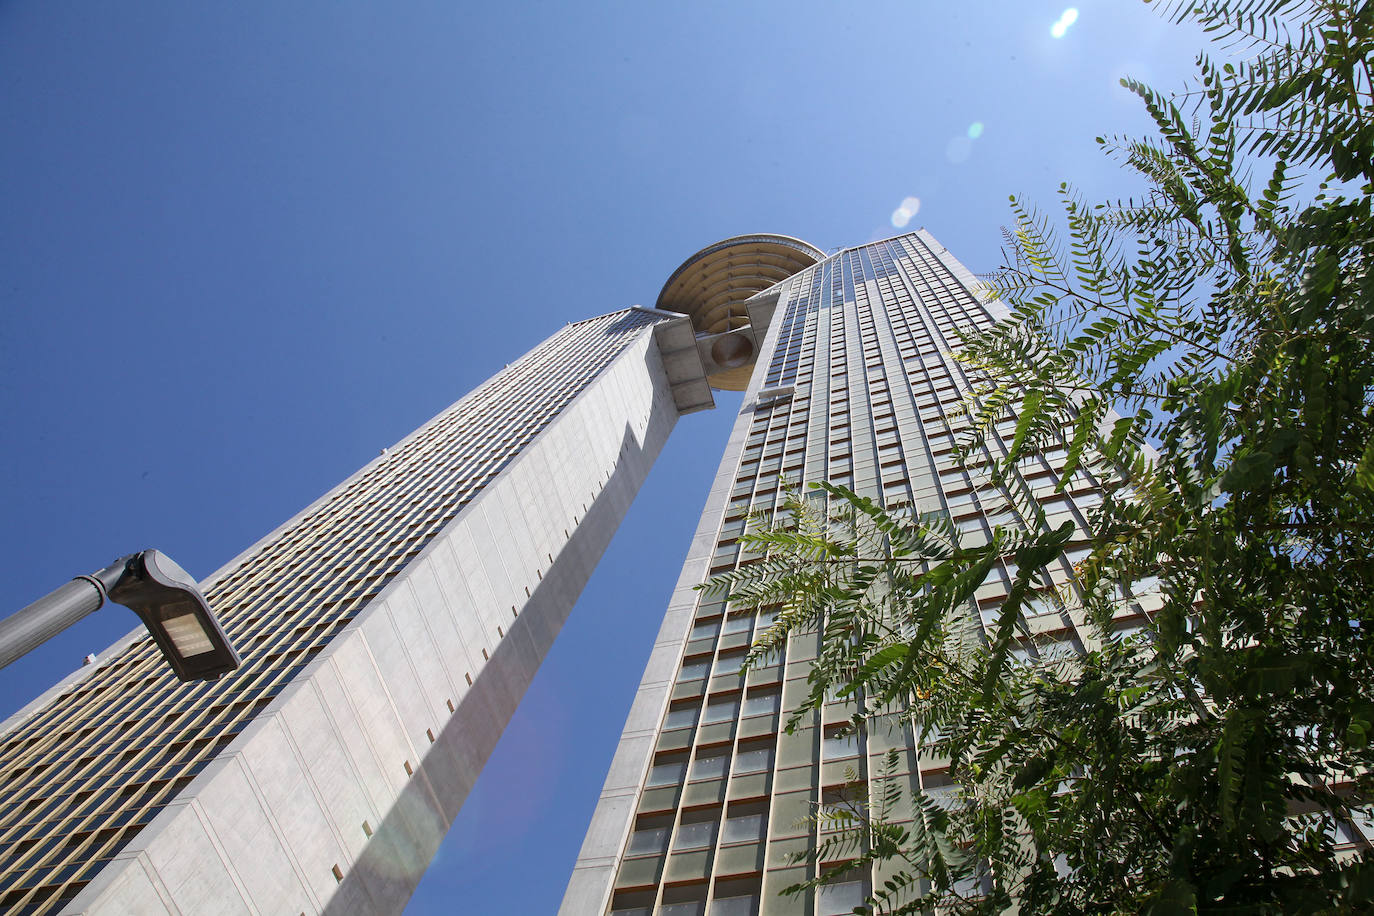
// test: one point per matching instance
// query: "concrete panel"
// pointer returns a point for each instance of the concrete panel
(241, 822)
(279, 778)
(433, 605)
(473, 576)
(647, 709)
(329, 768)
(373, 779)
(604, 837)
(487, 550)
(403, 688)
(372, 707)
(137, 893)
(191, 868)
(630, 762)
(589, 890)
(459, 584)
(417, 639)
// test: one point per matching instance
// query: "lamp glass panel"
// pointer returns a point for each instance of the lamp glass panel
(188, 634)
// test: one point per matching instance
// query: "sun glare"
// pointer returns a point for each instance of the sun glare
(1066, 19)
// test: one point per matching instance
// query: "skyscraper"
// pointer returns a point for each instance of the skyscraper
(387, 633)
(389, 629)
(855, 383)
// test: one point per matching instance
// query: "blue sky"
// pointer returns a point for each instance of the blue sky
(243, 247)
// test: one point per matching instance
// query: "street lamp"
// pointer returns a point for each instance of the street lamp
(159, 591)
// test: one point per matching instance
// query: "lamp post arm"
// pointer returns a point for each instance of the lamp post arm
(31, 626)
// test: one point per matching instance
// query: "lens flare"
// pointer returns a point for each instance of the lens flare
(975, 130)
(958, 149)
(908, 208)
(1066, 19)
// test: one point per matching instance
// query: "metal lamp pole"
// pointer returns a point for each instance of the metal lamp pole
(159, 591)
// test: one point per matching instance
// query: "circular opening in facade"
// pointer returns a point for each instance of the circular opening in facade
(733, 351)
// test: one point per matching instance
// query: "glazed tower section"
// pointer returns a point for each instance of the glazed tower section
(707, 799)
(387, 633)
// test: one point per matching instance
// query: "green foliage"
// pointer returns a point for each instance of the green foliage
(1208, 352)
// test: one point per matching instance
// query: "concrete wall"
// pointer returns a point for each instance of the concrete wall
(336, 797)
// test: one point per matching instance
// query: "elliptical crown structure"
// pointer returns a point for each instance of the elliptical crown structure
(716, 289)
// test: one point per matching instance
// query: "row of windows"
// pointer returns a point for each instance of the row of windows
(838, 899)
(866, 339)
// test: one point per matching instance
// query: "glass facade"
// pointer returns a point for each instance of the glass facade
(857, 385)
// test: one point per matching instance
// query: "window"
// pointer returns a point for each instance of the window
(729, 664)
(704, 630)
(1136, 629)
(1145, 586)
(1038, 604)
(694, 671)
(720, 711)
(1058, 648)
(649, 841)
(839, 899)
(735, 906)
(744, 828)
(753, 759)
(971, 886)
(698, 833)
(668, 774)
(1087, 501)
(738, 623)
(761, 704)
(837, 746)
(688, 908)
(711, 764)
(680, 717)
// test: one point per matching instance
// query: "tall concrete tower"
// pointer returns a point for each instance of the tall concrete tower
(853, 382)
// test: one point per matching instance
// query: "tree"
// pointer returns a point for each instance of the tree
(1207, 352)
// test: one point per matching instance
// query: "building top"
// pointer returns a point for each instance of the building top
(712, 288)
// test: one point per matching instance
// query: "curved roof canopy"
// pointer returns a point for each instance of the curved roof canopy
(710, 287)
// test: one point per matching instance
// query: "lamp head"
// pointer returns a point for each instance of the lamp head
(165, 596)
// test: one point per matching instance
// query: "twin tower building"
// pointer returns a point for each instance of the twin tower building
(389, 630)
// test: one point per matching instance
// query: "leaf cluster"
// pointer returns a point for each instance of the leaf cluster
(1206, 352)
